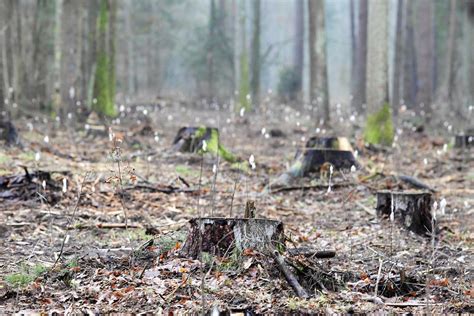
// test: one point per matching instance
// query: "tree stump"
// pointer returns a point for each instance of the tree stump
(190, 139)
(464, 141)
(412, 210)
(320, 150)
(220, 236)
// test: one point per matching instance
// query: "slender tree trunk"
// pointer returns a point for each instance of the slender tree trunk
(69, 53)
(129, 61)
(8, 61)
(410, 77)
(57, 56)
(18, 58)
(112, 27)
(319, 93)
(397, 59)
(3, 23)
(377, 49)
(450, 75)
(255, 81)
(353, 47)
(425, 54)
(359, 96)
(211, 50)
(298, 48)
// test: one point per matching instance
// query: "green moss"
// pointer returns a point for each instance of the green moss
(25, 276)
(213, 145)
(185, 171)
(379, 128)
(103, 79)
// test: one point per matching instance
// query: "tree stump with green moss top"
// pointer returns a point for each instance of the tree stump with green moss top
(223, 236)
(191, 139)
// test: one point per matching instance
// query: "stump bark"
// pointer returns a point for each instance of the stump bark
(319, 150)
(190, 139)
(220, 236)
(464, 141)
(412, 210)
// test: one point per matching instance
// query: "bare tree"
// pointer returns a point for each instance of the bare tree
(397, 59)
(359, 79)
(298, 48)
(425, 54)
(449, 87)
(255, 58)
(319, 93)
(377, 49)
(409, 57)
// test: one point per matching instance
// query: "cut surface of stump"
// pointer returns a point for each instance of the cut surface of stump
(412, 210)
(221, 236)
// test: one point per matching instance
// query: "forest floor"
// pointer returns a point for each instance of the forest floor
(103, 267)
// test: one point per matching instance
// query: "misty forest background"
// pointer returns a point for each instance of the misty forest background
(329, 57)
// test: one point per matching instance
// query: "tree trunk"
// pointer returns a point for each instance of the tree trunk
(409, 58)
(3, 22)
(319, 93)
(353, 50)
(42, 27)
(359, 80)
(57, 56)
(397, 59)
(112, 27)
(450, 60)
(69, 73)
(377, 63)
(298, 49)
(130, 61)
(255, 81)
(103, 104)
(211, 50)
(425, 54)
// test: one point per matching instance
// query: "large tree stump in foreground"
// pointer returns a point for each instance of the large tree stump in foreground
(412, 210)
(220, 236)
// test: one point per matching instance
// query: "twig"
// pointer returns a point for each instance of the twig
(290, 277)
(71, 219)
(378, 278)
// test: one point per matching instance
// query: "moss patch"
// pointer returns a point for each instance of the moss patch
(379, 128)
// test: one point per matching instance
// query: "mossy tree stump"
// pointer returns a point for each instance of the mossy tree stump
(411, 210)
(191, 139)
(222, 236)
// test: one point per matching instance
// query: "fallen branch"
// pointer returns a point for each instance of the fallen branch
(156, 188)
(312, 187)
(290, 277)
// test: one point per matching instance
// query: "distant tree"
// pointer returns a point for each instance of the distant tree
(379, 128)
(360, 69)
(425, 49)
(397, 58)
(256, 63)
(56, 99)
(70, 53)
(319, 92)
(2, 57)
(298, 48)
(409, 75)
(449, 86)
(104, 101)
(43, 27)
(244, 82)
